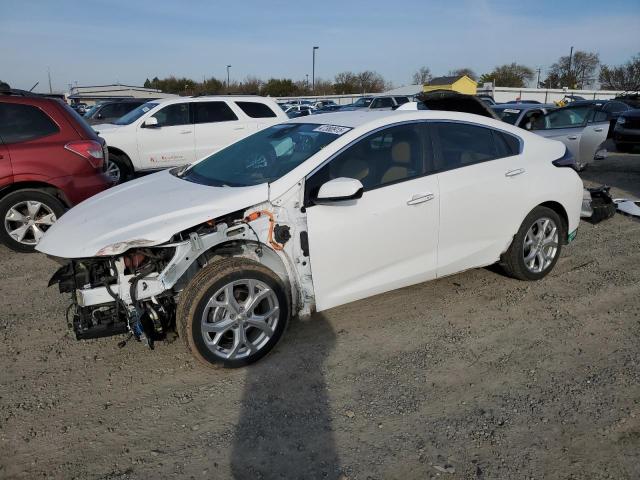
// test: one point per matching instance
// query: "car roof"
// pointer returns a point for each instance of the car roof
(360, 118)
(206, 98)
(520, 106)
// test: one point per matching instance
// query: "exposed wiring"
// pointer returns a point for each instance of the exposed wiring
(255, 215)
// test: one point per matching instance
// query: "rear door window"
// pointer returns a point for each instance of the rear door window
(462, 144)
(564, 118)
(22, 123)
(213, 112)
(256, 110)
(386, 102)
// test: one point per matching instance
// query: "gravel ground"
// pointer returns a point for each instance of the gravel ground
(474, 376)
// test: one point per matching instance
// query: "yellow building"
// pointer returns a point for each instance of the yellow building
(463, 84)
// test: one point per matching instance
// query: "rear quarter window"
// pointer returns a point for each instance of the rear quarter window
(256, 110)
(22, 123)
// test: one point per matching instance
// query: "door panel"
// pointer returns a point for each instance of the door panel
(569, 136)
(5, 166)
(380, 242)
(479, 212)
(592, 137)
(216, 126)
(484, 176)
(169, 144)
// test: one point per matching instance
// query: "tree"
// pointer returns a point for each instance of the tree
(371, 82)
(4, 85)
(575, 72)
(422, 76)
(280, 87)
(323, 87)
(458, 72)
(508, 75)
(623, 77)
(147, 83)
(345, 82)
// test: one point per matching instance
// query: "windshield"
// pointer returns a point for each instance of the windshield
(509, 115)
(363, 102)
(264, 156)
(135, 114)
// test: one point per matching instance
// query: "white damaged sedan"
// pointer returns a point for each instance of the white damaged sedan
(307, 215)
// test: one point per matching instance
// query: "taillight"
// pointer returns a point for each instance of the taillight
(89, 149)
(566, 160)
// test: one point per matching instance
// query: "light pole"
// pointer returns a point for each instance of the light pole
(313, 70)
(228, 83)
(307, 80)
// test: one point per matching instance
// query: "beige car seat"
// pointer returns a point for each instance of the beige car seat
(401, 159)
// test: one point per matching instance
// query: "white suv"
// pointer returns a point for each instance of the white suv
(179, 131)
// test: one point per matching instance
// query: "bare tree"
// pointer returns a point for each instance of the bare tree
(578, 71)
(509, 75)
(458, 72)
(422, 76)
(622, 77)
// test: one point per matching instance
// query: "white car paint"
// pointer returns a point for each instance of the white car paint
(393, 236)
(169, 146)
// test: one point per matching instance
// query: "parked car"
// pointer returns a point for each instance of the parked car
(521, 115)
(80, 108)
(378, 103)
(324, 104)
(294, 111)
(362, 102)
(178, 131)
(307, 215)
(582, 126)
(626, 133)
(50, 160)
(487, 99)
(107, 112)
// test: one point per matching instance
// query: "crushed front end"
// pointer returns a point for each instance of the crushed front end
(105, 295)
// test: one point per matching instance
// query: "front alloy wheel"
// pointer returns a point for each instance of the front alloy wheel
(233, 312)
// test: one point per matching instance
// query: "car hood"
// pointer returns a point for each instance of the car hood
(102, 127)
(143, 212)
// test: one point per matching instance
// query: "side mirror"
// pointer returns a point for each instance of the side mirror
(151, 122)
(338, 190)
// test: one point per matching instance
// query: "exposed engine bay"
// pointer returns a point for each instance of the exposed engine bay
(135, 291)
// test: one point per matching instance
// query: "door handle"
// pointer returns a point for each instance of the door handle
(421, 198)
(513, 173)
(238, 128)
(184, 132)
(572, 137)
(599, 129)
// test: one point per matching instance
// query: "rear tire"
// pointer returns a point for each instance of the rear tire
(232, 313)
(119, 168)
(25, 215)
(536, 247)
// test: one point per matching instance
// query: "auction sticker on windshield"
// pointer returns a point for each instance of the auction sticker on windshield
(335, 129)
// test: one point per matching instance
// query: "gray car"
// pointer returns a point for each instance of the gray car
(111, 110)
(377, 103)
(521, 115)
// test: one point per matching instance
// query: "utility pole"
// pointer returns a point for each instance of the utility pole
(313, 71)
(228, 82)
(49, 75)
(307, 80)
(570, 59)
(538, 81)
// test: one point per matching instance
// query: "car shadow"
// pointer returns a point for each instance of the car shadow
(284, 428)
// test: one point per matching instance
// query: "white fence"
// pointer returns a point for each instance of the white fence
(500, 94)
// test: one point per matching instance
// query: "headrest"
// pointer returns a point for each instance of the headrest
(401, 152)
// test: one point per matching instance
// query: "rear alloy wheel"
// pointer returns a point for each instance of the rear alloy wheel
(536, 247)
(119, 168)
(233, 312)
(26, 216)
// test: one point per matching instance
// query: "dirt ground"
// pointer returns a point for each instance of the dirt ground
(474, 376)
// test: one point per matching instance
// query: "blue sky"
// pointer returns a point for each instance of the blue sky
(98, 42)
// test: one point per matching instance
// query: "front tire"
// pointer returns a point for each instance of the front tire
(26, 215)
(232, 313)
(536, 247)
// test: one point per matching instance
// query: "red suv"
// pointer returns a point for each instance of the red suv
(50, 160)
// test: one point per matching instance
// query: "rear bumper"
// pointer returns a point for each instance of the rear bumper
(77, 188)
